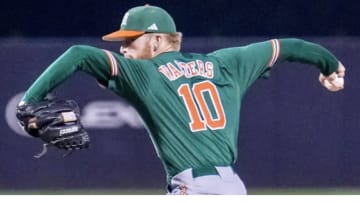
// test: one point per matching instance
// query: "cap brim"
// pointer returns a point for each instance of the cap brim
(122, 34)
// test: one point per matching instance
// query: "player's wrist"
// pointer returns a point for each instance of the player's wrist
(22, 103)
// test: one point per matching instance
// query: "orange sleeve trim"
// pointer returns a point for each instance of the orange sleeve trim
(114, 68)
(275, 45)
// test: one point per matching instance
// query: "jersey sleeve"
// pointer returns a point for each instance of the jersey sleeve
(248, 63)
(297, 50)
(88, 59)
(111, 70)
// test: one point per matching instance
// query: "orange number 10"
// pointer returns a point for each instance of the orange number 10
(194, 97)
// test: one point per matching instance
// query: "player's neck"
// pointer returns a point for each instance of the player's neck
(163, 49)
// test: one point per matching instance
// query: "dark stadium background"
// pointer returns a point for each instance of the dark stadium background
(295, 137)
(194, 18)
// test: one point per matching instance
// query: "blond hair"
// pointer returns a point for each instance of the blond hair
(174, 39)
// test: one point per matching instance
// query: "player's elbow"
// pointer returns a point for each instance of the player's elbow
(80, 52)
(295, 43)
(291, 49)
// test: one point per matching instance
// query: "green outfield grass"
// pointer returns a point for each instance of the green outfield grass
(135, 191)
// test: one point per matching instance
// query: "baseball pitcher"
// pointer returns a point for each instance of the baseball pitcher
(189, 102)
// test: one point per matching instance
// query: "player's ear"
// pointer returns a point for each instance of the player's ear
(157, 41)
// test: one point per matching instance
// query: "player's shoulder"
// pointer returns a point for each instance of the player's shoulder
(180, 56)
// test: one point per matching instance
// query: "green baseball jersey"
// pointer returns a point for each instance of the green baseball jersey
(190, 103)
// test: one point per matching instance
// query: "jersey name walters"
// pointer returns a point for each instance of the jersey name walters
(190, 69)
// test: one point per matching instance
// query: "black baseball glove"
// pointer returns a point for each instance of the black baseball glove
(56, 122)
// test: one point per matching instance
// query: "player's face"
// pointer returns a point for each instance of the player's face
(136, 48)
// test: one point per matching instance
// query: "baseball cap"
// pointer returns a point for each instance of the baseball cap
(140, 20)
